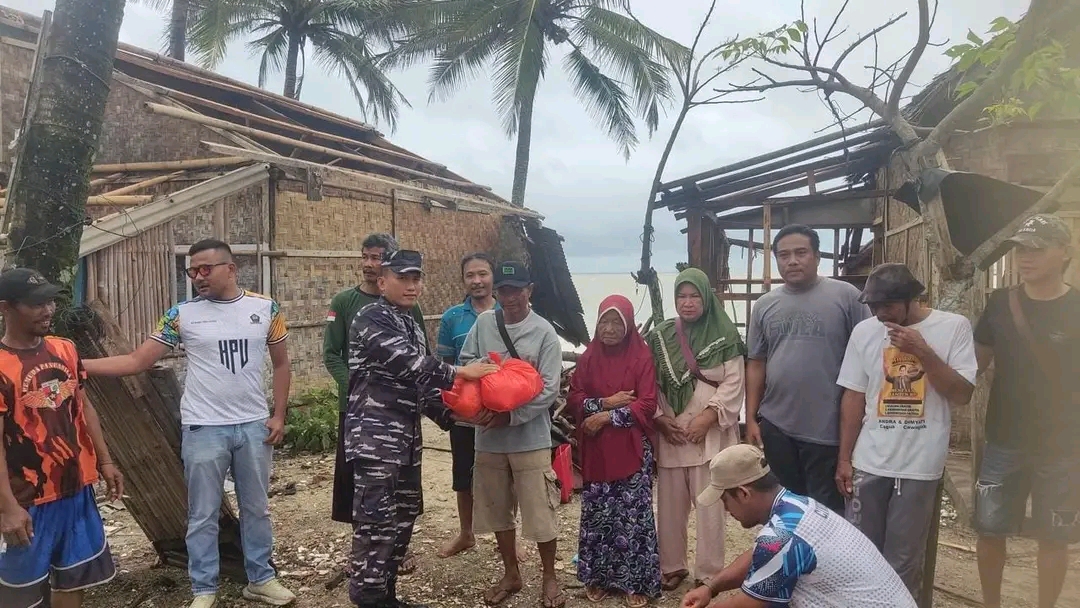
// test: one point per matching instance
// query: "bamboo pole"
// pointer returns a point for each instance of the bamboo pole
(123, 200)
(95, 182)
(173, 165)
(161, 179)
(280, 124)
(157, 108)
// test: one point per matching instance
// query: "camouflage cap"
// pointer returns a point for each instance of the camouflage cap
(891, 283)
(1043, 231)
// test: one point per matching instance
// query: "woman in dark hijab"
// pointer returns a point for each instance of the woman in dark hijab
(613, 400)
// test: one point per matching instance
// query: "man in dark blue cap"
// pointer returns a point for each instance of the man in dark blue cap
(393, 380)
(1031, 332)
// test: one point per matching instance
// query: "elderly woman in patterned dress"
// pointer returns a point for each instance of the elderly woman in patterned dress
(613, 400)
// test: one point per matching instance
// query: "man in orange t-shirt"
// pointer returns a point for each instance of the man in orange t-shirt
(52, 449)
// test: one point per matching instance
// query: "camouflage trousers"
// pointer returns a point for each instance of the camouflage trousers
(387, 502)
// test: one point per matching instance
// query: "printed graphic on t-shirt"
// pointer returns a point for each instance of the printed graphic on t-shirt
(903, 396)
(48, 448)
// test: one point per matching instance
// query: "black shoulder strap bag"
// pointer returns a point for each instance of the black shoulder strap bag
(557, 436)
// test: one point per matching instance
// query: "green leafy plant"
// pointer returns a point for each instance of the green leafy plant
(1044, 82)
(312, 422)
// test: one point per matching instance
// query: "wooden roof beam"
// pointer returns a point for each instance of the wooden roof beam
(750, 162)
(787, 162)
(759, 194)
(163, 110)
(817, 168)
(185, 71)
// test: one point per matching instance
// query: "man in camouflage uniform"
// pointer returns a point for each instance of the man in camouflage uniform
(393, 379)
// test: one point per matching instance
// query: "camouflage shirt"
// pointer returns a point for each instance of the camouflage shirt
(393, 379)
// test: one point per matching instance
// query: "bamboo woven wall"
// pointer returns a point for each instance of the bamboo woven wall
(133, 279)
(324, 238)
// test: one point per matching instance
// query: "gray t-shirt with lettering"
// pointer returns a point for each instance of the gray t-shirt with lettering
(802, 336)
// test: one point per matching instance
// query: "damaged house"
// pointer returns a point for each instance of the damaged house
(187, 154)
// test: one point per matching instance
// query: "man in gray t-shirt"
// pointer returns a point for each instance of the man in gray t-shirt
(796, 340)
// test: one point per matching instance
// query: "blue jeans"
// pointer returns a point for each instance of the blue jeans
(1009, 476)
(208, 453)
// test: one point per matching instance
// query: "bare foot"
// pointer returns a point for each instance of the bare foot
(408, 565)
(458, 544)
(503, 590)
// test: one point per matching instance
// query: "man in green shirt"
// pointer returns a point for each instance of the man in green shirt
(343, 309)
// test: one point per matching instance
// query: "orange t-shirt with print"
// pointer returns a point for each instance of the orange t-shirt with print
(47, 444)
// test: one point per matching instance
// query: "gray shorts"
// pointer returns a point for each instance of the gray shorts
(1008, 476)
(895, 514)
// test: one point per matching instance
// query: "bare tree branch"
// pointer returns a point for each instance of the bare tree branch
(893, 106)
(828, 32)
(874, 32)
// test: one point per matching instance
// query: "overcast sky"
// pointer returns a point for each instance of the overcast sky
(577, 178)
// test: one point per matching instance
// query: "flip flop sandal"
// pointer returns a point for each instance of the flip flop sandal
(559, 601)
(596, 595)
(501, 595)
(671, 581)
(636, 601)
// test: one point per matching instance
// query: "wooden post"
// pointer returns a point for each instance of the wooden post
(926, 596)
(749, 275)
(694, 256)
(766, 245)
(836, 252)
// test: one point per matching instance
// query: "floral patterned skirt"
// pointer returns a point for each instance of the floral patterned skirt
(617, 547)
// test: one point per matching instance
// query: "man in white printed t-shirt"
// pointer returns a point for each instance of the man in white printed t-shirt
(227, 334)
(903, 368)
(805, 554)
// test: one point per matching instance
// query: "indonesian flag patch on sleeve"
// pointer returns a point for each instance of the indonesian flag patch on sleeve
(330, 316)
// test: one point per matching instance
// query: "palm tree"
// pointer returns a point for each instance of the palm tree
(339, 32)
(516, 36)
(179, 12)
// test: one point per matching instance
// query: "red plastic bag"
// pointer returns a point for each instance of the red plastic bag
(464, 398)
(564, 470)
(514, 385)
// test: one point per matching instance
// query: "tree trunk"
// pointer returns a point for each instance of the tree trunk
(51, 180)
(646, 274)
(178, 29)
(291, 61)
(521, 157)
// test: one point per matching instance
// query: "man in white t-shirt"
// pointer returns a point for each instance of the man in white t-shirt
(903, 368)
(227, 334)
(805, 554)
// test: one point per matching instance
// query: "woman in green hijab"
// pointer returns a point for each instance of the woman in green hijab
(699, 362)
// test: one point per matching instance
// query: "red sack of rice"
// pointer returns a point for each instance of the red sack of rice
(464, 398)
(515, 384)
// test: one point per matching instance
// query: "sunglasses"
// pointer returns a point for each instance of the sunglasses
(204, 270)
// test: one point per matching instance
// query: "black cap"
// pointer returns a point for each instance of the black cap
(512, 274)
(404, 261)
(26, 285)
(891, 283)
(1043, 231)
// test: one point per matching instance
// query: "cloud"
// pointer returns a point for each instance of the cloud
(577, 177)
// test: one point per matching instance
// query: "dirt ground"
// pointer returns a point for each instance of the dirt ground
(310, 549)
